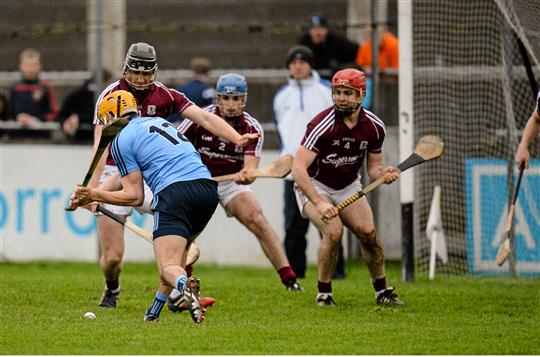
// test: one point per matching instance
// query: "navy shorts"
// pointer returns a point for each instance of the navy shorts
(184, 208)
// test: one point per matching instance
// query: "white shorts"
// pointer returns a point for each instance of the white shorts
(146, 207)
(228, 190)
(337, 196)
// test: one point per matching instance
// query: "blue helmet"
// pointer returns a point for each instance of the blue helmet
(232, 83)
(231, 90)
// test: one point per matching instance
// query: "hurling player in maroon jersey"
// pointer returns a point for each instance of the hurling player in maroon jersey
(326, 172)
(153, 99)
(531, 131)
(223, 157)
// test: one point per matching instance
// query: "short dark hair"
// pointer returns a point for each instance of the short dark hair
(300, 52)
(200, 65)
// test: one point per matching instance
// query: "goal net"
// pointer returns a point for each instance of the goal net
(471, 87)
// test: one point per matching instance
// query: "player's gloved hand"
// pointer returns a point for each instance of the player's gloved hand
(246, 139)
(390, 174)
(243, 177)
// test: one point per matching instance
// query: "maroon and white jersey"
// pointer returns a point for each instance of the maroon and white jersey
(157, 101)
(340, 150)
(219, 155)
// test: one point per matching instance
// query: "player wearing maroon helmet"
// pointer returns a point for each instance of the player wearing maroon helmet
(326, 172)
(223, 157)
(153, 99)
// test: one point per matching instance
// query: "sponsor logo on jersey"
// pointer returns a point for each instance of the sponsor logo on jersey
(332, 159)
(151, 110)
(207, 137)
(335, 143)
(218, 155)
(363, 145)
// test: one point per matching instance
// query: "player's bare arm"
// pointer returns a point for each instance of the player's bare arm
(531, 131)
(376, 168)
(131, 194)
(302, 160)
(251, 163)
(217, 126)
(112, 183)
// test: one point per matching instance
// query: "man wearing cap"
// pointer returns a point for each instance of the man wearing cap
(331, 51)
(295, 104)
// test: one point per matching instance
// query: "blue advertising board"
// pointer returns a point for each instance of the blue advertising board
(487, 207)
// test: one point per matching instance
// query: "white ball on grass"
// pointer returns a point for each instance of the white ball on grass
(90, 315)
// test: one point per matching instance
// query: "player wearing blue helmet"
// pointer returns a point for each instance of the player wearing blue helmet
(231, 90)
(223, 157)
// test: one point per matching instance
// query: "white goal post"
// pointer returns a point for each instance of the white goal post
(463, 77)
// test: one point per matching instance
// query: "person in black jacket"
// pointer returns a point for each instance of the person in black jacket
(78, 107)
(4, 106)
(332, 51)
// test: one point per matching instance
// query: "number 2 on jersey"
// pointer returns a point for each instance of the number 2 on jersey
(163, 132)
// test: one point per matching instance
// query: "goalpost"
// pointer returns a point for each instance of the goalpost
(464, 77)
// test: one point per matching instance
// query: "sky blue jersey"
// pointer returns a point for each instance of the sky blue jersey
(153, 146)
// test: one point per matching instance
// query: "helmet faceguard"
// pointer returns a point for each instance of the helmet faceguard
(231, 90)
(116, 105)
(352, 79)
(141, 58)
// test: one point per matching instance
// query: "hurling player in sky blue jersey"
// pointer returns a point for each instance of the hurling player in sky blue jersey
(153, 99)
(185, 196)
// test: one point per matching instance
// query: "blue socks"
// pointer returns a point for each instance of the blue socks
(157, 305)
(161, 299)
(181, 281)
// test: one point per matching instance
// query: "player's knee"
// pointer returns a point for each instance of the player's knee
(111, 259)
(255, 218)
(333, 234)
(369, 240)
(166, 269)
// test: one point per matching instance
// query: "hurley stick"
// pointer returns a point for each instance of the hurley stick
(277, 169)
(193, 252)
(429, 147)
(504, 249)
(107, 136)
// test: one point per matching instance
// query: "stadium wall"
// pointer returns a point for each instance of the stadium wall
(36, 182)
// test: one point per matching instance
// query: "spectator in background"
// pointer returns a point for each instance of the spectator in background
(4, 106)
(332, 51)
(78, 106)
(295, 104)
(388, 51)
(32, 100)
(197, 90)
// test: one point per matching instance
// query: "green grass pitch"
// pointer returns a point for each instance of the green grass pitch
(42, 307)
